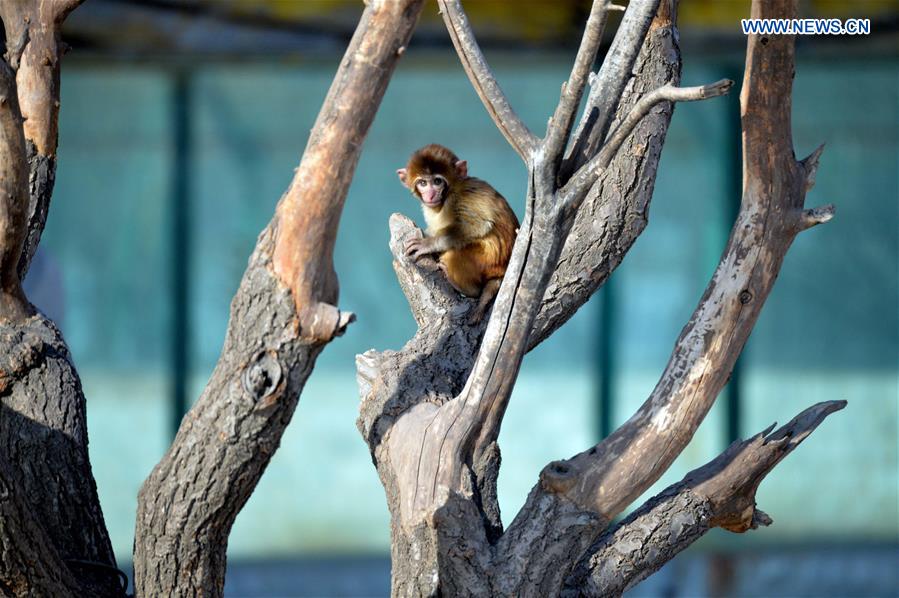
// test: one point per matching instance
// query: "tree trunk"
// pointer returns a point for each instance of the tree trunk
(281, 317)
(431, 413)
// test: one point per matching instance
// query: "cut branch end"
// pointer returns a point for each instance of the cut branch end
(815, 216)
(323, 322)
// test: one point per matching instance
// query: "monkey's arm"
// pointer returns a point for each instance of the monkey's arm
(455, 236)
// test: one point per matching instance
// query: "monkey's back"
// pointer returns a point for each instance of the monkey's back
(478, 207)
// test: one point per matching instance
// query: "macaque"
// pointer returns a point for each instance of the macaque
(469, 223)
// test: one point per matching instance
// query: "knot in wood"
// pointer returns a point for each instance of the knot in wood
(745, 296)
(19, 352)
(262, 375)
(558, 477)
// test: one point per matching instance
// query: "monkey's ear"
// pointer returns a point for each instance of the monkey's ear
(462, 168)
(401, 172)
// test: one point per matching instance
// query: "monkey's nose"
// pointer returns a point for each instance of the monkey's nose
(429, 194)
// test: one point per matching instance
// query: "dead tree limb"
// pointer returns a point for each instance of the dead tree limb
(281, 318)
(507, 120)
(616, 209)
(431, 416)
(13, 198)
(718, 494)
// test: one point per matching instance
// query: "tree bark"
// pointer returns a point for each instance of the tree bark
(433, 367)
(43, 431)
(281, 318)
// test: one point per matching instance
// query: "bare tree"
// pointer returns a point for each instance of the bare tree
(53, 540)
(431, 412)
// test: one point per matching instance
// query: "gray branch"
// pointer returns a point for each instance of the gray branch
(586, 176)
(615, 73)
(563, 118)
(282, 316)
(719, 494)
(484, 82)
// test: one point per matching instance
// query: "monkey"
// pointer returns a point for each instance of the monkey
(470, 225)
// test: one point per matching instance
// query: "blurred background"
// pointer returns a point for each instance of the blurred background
(180, 127)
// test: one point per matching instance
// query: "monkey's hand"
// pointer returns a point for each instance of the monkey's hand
(417, 248)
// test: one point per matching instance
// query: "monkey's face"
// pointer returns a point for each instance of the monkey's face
(429, 188)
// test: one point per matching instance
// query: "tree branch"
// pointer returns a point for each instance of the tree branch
(464, 429)
(815, 216)
(613, 76)
(410, 398)
(507, 120)
(35, 48)
(586, 176)
(719, 494)
(563, 118)
(435, 443)
(13, 199)
(43, 436)
(616, 209)
(281, 318)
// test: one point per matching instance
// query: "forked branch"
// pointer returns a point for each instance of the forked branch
(610, 475)
(610, 82)
(563, 118)
(44, 434)
(585, 177)
(34, 47)
(434, 439)
(462, 430)
(718, 494)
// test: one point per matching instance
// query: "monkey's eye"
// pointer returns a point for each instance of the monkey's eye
(421, 183)
(439, 181)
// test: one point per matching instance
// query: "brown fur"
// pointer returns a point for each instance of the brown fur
(473, 228)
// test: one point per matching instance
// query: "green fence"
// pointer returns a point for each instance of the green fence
(167, 175)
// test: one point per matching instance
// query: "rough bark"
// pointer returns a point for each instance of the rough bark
(431, 413)
(432, 368)
(41, 178)
(281, 318)
(439, 357)
(622, 466)
(43, 435)
(43, 432)
(28, 564)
